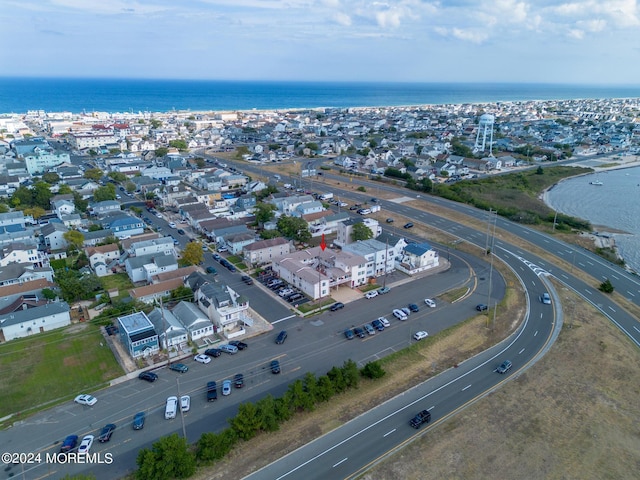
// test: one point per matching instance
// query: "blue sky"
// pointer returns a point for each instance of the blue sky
(579, 41)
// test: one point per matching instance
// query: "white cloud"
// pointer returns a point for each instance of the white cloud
(342, 19)
(474, 36)
(575, 33)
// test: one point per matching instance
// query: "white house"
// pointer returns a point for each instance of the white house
(163, 245)
(144, 267)
(34, 320)
(171, 332)
(194, 320)
(224, 307)
(418, 257)
(19, 252)
(264, 251)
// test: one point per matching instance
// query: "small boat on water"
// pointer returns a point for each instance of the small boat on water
(596, 182)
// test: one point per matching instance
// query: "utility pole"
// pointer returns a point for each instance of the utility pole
(490, 252)
(386, 260)
(184, 428)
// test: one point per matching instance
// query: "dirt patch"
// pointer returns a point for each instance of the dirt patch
(71, 361)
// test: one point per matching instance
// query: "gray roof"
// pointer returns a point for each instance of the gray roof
(13, 270)
(32, 314)
(168, 322)
(135, 322)
(190, 315)
(50, 227)
(217, 293)
(417, 249)
(152, 242)
(158, 258)
(104, 233)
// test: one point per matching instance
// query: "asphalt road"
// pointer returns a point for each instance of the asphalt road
(314, 345)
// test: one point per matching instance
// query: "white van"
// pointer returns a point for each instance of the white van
(171, 408)
(399, 314)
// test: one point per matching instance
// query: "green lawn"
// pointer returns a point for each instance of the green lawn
(117, 280)
(53, 366)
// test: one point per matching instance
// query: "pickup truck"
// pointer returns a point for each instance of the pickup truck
(423, 417)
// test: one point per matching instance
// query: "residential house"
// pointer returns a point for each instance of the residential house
(138, 335)
(28, 322)
(237, 241)
(13, 218)
(194, 320)
(345, 230)
(52, 236)
(182, 273)
(19, 252)
(171, 333)
(103, 208)
(142, 268)
(418, 257)
(225, 308)
(123, 225)
(103, 258)
(157, 290)
(163, 245)
(264, 251)
(380, 257)
(97, 236)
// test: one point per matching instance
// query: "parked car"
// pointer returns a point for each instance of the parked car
(420, 335)
(238, 344)
(138, 421)
(275, 367)
(230, 349)
(202, 358)
(359, 332)
(226, 387)
(238, 380)
(148, 376)
(545, 298)
(371, 294)
(336, 306)
(69, 444)
(295, 297)
(106, 432)
(282, 336)
(185, 403)
(384, 290)
(406, 311)
(399, 314)
(212, 271)
(348, 333)
(231, 268)
(86, 443)
(181, 231)
(369, 328)
(504, 367)
(413, 307)
(223, 248)
(377, 324)
(179, 367)
(171, 408)
(216, 257)
(86, 399)
(212, 391)
(172, 225)
(384, 322)
(430, 303)
(213, 352)
(481, 307)
(389, 220)
(247, 279)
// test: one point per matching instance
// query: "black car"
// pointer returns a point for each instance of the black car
(389, 220)
(282, 336)
(179, 367)
(212, 271)
(349, 334)
(336, 306)
(413, 307)
(354, 207)
(231, 268)
(138, 421)
(378, 325)
(247, 279)
(359, 332)
(148, 376)
(213, 352)
(481, 307)
(181, 231)
(504, 367)
(212, 391)
(275, 367)
(238, 380)
(408, 225)
(238, 344)
(107, 431)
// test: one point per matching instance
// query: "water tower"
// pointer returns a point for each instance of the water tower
(485, 127)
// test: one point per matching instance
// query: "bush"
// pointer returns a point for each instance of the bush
(373, 370)
(606, 286)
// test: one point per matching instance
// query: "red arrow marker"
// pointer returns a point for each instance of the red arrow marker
(323, 244)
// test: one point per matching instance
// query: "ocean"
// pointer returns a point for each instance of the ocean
(18, 95)
(615, 204)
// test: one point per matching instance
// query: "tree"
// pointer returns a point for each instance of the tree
(182, 293)
(108, 192)
(606, 286)
(200, 162)
(49, 294)
(337, 379)
(311, 387)
(373, 370)
(155, 123)
(267, 414)
(161, 152)
(325, 389)
(117, 176)
(74, 286)
(22, 197)
(168, 458)
(264, 212)
(540, 170)
(74, 238)
(35, 212)
(294, 227)
(64, 189)
(179, 144)
(351, 374)
(50, 177)
(130, 187)
(246, 423)
(42, 195)
(360, 231)
(214, 446)
(80, 203)
(192, 254)
(94, 174)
